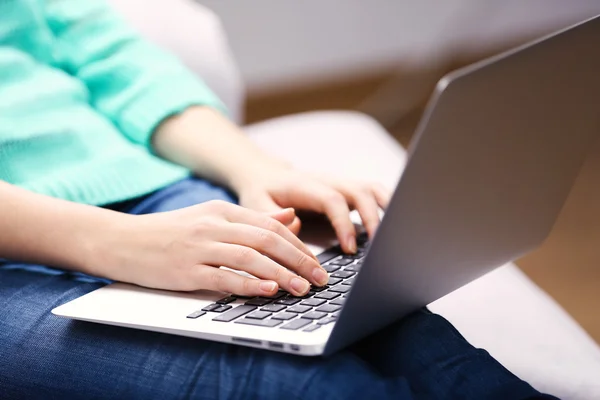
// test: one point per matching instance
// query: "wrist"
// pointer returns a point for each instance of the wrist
(101, 243)
(255, 172)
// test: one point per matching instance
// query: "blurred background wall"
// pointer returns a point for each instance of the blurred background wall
(283, 43)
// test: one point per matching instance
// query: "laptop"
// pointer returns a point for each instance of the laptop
(494, 158)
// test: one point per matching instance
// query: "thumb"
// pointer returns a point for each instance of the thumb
(285, 216)
(295, 226)
(288, 218)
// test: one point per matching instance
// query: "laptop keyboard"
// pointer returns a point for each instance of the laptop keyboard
(319, 307)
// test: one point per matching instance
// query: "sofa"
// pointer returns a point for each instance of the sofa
(503, 312)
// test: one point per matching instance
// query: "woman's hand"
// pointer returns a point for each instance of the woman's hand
(183, 249)
(211, 146)
(279, 187)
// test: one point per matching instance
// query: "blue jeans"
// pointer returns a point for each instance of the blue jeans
(44, 357)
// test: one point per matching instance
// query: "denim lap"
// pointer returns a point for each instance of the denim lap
(42, 355)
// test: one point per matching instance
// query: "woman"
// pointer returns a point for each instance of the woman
(103, 140)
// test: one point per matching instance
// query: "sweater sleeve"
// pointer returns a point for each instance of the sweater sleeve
(130, 81)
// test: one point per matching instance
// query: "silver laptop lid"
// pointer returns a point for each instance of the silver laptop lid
(494, 159)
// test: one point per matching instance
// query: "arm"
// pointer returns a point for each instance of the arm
(205, 142)
(178, 250)
(41, 229)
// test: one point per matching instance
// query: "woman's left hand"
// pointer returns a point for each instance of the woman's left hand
(279, 188)
(204, 141)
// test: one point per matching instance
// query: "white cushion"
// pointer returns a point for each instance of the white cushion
(503, 312)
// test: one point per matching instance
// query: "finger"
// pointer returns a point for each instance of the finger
(251, 261)
(382, 195)
(211, 278)
(266, 203)
(276, 248)
(323, 199)
(289, 219)
(364, 201)
(285, 216)
(295, 226)
(250, 217)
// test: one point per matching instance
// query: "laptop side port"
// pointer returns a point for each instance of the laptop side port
(247, 341)
(275, 345)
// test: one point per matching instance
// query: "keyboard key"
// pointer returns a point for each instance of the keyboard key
(333, 281)
(341, 261)
(313, 315)
(311, 328)
(353, 268)
(336, 314)
(328, 308)
(222, 308)
(273, 307)
(327, 295)
(268, 323)
(340, 289)
(258, 301)
(299, 309)
(276, 296)
(331, 267)
(312, 302)
(259, 315)
(329, 254)
(326, 321)
(319, 288)
(227, 300)
(343, 274)
(196, 314)
(211, 307)
(288, 301)
(284, 316)
(296, 324)
(235, 313)
(338, 302)
(310, 293)
(348, 281)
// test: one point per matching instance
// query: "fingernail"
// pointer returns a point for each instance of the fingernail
(320, 276)
(300, 285)
(267, 286)
(352, 244)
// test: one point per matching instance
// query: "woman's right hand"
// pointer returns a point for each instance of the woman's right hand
(183, 250)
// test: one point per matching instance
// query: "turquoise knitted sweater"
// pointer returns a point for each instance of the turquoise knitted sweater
(80, 95)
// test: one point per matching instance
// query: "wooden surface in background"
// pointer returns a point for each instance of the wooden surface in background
(323, 96)
(567, 266)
